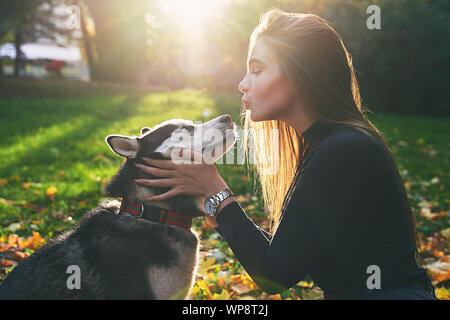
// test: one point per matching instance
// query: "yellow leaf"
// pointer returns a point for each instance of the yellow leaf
(235, 278)
(202, 285)
(242, 198)
(306, 284)
(194, 290)
(3, 181)
(224, 295)
(26, 185)
(274, 297)
(250, 207)
(211, 276)
(206, 265)
(12, 239)
(50, 192)
(442, 293)
(248, 281)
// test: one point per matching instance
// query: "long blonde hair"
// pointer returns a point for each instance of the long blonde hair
(312, 56)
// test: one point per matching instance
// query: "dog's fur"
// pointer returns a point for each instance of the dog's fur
(119, 255)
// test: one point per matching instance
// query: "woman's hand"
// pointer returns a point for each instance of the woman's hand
(195, 179)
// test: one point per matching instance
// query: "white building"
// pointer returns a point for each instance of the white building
(37, 55)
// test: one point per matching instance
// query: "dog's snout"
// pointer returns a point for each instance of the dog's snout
(226, 118)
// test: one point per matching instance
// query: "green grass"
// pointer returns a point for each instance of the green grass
(420, 147)
(53, 135)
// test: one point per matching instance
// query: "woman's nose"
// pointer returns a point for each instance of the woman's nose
(243, 87)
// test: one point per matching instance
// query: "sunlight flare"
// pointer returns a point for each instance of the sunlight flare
(191, 13)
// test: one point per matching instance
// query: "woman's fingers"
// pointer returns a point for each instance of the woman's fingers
(169, 194)
(163, 164)
(155, 182)
(155, 171)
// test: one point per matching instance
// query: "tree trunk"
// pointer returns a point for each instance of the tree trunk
(18, 60)
(87, 42)
(119, 39)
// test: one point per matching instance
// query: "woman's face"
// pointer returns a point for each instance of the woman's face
(267, 94)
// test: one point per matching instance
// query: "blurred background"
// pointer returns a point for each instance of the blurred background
(402, 67)
(74, 71)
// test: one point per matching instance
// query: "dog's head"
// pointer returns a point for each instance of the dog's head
(167, 141)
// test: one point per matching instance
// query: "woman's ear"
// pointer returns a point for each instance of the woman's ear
(122, 145)
(144, 130)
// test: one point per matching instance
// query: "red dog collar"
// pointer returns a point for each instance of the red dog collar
(155, 214)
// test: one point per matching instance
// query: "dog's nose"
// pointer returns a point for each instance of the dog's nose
(226, 118)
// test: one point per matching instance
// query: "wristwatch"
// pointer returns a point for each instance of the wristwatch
(212, 202)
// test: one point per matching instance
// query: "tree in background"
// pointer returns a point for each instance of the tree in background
(120, 39)
(87, 36)
(230, 35)
(29, 21)
(4, 29)
(401, 68)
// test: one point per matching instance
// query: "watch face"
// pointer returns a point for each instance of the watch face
(209, 207)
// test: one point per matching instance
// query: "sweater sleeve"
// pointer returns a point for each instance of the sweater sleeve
(323, 196)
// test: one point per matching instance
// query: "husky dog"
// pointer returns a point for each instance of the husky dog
(134, 249)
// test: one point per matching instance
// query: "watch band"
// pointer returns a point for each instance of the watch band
(220, 196)
(224, 194)
(212, 202)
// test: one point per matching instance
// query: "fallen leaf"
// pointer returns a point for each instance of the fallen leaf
(240, 288)
(26, 185)
(50, 192)
(442, 293)
(224, 295)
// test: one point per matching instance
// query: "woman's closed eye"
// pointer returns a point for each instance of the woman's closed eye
(255, 72)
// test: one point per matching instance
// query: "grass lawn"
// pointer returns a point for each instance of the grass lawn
(54, 162)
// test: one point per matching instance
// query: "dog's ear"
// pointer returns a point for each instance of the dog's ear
(144, 130)
(122, 145)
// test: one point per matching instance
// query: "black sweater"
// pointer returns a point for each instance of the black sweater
(345, 213)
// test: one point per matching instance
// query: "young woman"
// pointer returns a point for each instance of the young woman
(338, 207)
